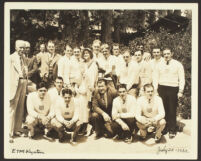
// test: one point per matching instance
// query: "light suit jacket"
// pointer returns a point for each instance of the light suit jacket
(15, 73)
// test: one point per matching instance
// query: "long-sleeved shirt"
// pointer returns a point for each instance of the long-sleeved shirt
(64, 112)
(64, 68)
(54, 94)
(129, 74)
(126, 109)
(106, 64)
(119, 62)
(169, 75)
(36, 106)
(153, 109)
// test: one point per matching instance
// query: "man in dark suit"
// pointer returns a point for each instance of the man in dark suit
(102, 107)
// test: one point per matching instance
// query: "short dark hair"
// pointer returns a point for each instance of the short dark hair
(41, 85)
(121, 86)
(148, 86)
(67, 91)
(58, 77)
(67, 44)
(155, 47)
(51, 41)
(102, 80)
(167, 48)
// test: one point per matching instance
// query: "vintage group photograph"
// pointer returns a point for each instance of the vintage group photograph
(100, 80)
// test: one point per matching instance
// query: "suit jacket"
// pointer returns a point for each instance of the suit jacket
(54, 65)
(97, 102)
(15, 73)
(32, 67)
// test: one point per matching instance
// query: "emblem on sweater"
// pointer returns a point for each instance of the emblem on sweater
(41, 107)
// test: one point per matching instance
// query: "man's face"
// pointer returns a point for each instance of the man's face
(67, 98)
(96, 47)
(77, 53)
(105, 52)
(102, 87)
(140, 47)
(68, 50)
(27, 49)
(20, 49)
(42, 92)
(42, 48)
(138, 56)
(122, 93)
(51, 47)
(156, 53)
(115, 50)
(126, 57)
(167, 55)
(149, 91)
(58, 84)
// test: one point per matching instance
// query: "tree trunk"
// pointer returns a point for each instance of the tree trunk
(106, 26)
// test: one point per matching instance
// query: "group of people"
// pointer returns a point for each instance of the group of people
(114, 93)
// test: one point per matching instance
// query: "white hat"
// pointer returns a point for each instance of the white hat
(19, 43)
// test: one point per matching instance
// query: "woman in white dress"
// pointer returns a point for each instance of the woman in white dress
(87, 86)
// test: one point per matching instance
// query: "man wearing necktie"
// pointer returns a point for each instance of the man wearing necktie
(150, 113)
(102, 107)
(169, 82)
(123, 114)
(18, 83)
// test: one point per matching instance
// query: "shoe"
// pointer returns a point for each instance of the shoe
(11, 140)
(150, 129)
(157, 139)
(18, 133)
(98, 136)
(172, 135)
(61, 140)
(88, 130)
(128, 140)
(72, 140)
(116, 137)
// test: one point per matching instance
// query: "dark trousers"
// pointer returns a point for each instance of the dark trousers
(131, 122)
(100, 126)
(170, 102)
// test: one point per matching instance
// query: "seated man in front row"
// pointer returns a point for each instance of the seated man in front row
(102, 108)
(123, 114)
(150, 113)
(67, 112)
(39, 109)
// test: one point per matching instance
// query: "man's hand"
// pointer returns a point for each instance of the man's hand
(67, 124)
(145, 121)
(153, 121)
(106, 117)
(180, 95)
(125, 127)
(45, 120)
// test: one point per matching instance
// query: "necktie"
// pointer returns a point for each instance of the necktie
(124, 110)
(149, 109)
(103, 99)
(126, 64)
(167, 62)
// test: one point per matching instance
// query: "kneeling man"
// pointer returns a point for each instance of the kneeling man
(39, 109)
(67, 112)
(102, 109)
(150, 113)
(123, 114)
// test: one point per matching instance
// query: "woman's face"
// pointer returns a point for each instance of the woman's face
(86, 55)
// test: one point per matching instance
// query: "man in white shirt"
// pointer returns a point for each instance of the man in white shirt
(67, 115)
(157, 54)
(129, 74)
(107, 62)
(39, 109)
(96, 49)
(64, 65)
(145, 71)
(56, 91)
(150, 113)
(169, 80)
(123, 113)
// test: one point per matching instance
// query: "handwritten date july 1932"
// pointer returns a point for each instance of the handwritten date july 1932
(27, 151)
(165, 149)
